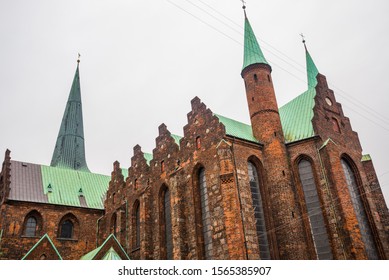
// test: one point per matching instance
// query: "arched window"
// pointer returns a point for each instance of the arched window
(66, 229)
(136, 225)
(205, 217)
(315, 214)
(367, 236)
(31, 225)
(259, 215)
(114, 224)
(166, 224)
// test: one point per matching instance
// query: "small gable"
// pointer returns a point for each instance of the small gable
(44, 249)
(109, 250)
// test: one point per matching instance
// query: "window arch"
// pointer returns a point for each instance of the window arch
(366, 233)
(314, 211)
(259, 215)
(166, 224)
(68, 227)
(136, 225)
(32, 224)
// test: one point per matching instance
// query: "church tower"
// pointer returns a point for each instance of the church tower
(287, 231)
(69, 149)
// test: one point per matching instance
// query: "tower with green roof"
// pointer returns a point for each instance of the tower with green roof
(69, 151)
(267, 129)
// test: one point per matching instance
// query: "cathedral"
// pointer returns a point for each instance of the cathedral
(292, 184)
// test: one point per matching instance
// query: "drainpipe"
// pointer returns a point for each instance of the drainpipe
(239, 198)
(331, 201)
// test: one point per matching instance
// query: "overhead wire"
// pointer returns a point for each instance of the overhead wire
(345, 95)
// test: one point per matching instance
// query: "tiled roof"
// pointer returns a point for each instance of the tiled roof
(54, 185)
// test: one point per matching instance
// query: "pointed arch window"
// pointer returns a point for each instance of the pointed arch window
(315, 214)
(31, 225)
(264, 250)
(136, 224)
(205, 216)
(366, 233)
(166, 225)
(66, 229)
(335, 125)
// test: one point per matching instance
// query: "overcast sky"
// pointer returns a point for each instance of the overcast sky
(143, 61)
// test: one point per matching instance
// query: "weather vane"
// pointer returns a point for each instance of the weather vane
(303, 37)
(244, 4)
(78, 60)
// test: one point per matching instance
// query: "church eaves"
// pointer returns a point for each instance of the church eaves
(69, 149)
(252, 51)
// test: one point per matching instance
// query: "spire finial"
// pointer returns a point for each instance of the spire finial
(244, 7)
(303, 37)
(78, 60)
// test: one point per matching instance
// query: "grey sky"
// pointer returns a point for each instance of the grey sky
(143, 61)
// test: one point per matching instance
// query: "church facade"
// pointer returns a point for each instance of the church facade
(293, 184)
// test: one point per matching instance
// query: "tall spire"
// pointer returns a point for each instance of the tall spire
(252, 51)
(311, 67)
(69, 149)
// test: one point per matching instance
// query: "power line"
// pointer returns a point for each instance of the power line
(372, 111)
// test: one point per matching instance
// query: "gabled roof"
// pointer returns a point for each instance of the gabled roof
(69, 149)
(110, 254)
(54, 185)
(44, 237)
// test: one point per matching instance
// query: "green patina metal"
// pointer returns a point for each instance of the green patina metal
(252, 51)
(148, 157)
(366, 157)
(46, 236)
(92, 254)
(312, 70)
(69, 149)
(66, 184)
(296, 116)
(237, 129)
(176, 138)
(111, 255)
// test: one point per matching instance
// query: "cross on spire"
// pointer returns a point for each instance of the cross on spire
(303, 37)
(244, 4)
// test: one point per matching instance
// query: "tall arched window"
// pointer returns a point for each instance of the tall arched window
(30, 229)
(259, 215)
(166, 221)
(205, 217)
(315, 214)
(367, 236)
(136, 225)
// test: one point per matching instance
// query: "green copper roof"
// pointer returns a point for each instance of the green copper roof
(69, 149)
(110, 254)
(46, 236)
(148, 157)
(366, 157)
(311, 70)
(237, 129)
(296, 116)
(66, 183)
(176, 138)
(252, 52)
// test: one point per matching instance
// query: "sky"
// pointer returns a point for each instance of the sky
(142, 62)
